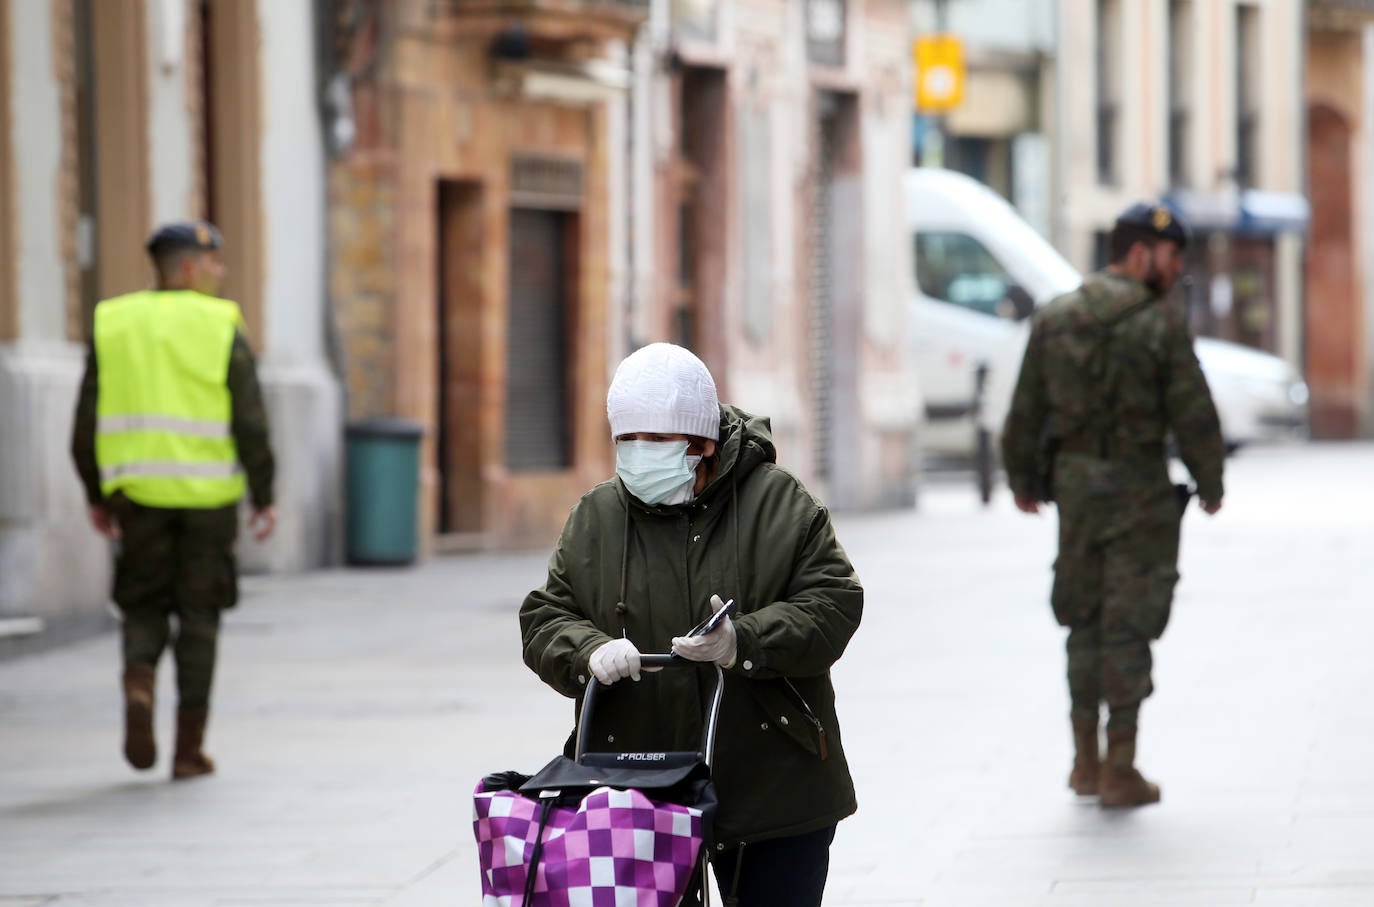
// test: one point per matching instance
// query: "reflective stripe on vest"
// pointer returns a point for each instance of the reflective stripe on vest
(164, 410)
(170, 470)
(197, 427)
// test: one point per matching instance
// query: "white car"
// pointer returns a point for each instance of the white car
(981, 269)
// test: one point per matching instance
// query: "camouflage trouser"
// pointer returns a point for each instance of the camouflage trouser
(175, 562)
(1114, 581)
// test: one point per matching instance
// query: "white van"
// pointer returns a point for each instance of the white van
(981, 269)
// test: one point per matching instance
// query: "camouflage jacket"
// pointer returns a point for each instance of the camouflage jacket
(248, 426)
(1110, 372)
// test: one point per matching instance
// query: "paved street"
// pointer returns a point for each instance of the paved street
(356, 709)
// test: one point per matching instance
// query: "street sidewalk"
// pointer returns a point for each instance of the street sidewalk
(355, 710)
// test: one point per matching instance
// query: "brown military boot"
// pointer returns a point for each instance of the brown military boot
(189, 760)
(140, 746)
(1087, 765)
(1121, 784)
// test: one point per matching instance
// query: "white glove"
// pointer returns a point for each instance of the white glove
(614, 660)
(719, 645)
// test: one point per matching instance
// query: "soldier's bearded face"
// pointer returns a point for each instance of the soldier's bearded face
(1166, 264)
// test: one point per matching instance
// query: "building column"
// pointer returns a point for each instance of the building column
(124, 214)
(234, 151)
(53, 567)
(277, 215)
(9, 314)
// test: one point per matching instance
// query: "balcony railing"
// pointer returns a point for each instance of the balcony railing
(439, 8)
(595, 18)
(1358, 5)
(1340, 14)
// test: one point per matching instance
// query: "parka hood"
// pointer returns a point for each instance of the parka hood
(746, 441)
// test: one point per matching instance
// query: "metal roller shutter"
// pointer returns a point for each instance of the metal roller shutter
(821, 331)
(537, 424)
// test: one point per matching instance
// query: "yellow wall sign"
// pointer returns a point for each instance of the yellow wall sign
(940, 73)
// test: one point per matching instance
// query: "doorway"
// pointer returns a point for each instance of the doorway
(462, 298)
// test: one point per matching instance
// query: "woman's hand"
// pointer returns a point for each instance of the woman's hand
(719, 645)
(615, 660)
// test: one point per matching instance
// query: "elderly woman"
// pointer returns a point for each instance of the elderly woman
(700, 513)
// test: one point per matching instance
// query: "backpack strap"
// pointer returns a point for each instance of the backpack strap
(1105, 330)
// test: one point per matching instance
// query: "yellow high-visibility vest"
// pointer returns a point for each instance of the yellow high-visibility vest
(164, 413)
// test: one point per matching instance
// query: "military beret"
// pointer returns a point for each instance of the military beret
(1157, 219)
(184, 234)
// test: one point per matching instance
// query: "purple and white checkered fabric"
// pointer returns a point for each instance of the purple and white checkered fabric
(618, 848)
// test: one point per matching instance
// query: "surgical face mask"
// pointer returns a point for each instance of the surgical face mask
(657, 472)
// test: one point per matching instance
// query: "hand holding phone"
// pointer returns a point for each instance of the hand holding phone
(701, 645)
(710, 623)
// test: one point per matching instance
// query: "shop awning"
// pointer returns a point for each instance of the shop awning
(1249, 211)
(1273, 212)
(1205, 211)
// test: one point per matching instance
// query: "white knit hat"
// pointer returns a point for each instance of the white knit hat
(665, 389)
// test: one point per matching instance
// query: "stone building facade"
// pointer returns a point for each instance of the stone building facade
(470, 230)
(768, 143)
(117, 115)
(530, 190)
(1339, 317)
(1002, 133)
(1199, 103)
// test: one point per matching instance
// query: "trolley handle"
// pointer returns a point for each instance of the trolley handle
(708, 744)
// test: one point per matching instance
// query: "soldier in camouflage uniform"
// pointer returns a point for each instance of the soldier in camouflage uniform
(153, 483)
(1109, 373)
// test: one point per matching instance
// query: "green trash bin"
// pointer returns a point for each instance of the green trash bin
(383, 490)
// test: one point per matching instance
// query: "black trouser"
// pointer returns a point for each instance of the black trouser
(175, 562)
(781, 872)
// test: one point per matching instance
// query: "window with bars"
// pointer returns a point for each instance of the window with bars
(1108, 86)
(825, 31)
(1247, 94)
(538, 385)
(1180, 90)
(694, 19)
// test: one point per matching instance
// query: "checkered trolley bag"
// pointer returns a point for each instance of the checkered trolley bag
(600, 829)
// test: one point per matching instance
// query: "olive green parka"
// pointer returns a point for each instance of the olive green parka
(755, 535)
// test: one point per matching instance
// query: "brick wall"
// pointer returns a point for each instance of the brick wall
(362, 280)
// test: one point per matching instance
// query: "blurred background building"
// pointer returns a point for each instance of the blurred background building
(466, 212)
(118, 115)
(1004, 131)
(1200, 103)
(767, 145)
(528, 191)
(477, 148)
(463, 213)
(1237, 112)
(1339, 320)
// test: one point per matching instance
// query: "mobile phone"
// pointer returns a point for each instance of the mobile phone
(710, 623)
